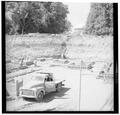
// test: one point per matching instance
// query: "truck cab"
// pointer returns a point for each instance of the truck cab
(49, 83)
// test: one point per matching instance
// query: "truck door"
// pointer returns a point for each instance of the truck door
(49, 84)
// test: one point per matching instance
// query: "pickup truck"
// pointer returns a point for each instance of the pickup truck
(39, 85)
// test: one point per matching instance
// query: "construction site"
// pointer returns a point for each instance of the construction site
(84, 62)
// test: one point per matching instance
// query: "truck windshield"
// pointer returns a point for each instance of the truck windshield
(37, 78)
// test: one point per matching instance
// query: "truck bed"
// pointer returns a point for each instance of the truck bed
(58, 81)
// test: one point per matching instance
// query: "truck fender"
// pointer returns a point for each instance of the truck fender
(40, 89)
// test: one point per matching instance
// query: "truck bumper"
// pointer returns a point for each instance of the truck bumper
(27, 96)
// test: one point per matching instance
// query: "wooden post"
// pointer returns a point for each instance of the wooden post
(18, 84)
(80, 85)
(16, 87)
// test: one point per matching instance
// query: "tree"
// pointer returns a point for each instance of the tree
(57, 17)
(11, 18)
(46, 17)
(27, 15)
(100, 19)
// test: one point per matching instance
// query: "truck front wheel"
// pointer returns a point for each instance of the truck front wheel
(39, 96)
(58, 87)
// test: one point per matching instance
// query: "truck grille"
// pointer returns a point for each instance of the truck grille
(27, 92)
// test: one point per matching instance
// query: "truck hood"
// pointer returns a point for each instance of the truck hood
(33, 84)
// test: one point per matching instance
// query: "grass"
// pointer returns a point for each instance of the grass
(88, 48)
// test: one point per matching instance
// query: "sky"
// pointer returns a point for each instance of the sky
(78, 13)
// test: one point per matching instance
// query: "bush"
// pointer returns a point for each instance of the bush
(29, 63)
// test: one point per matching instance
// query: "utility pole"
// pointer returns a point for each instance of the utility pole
(80, 84)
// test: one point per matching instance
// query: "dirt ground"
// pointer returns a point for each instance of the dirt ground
(85, 93)
(82, 92)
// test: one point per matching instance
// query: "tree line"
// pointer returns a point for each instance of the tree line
(32, 17)
(100, 19)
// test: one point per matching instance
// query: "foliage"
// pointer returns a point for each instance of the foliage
(30, 17)
(100, 19)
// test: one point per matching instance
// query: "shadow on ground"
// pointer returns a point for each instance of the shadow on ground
(51, 96)
(56, 95)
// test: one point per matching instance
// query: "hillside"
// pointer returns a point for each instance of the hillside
(33, 46)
